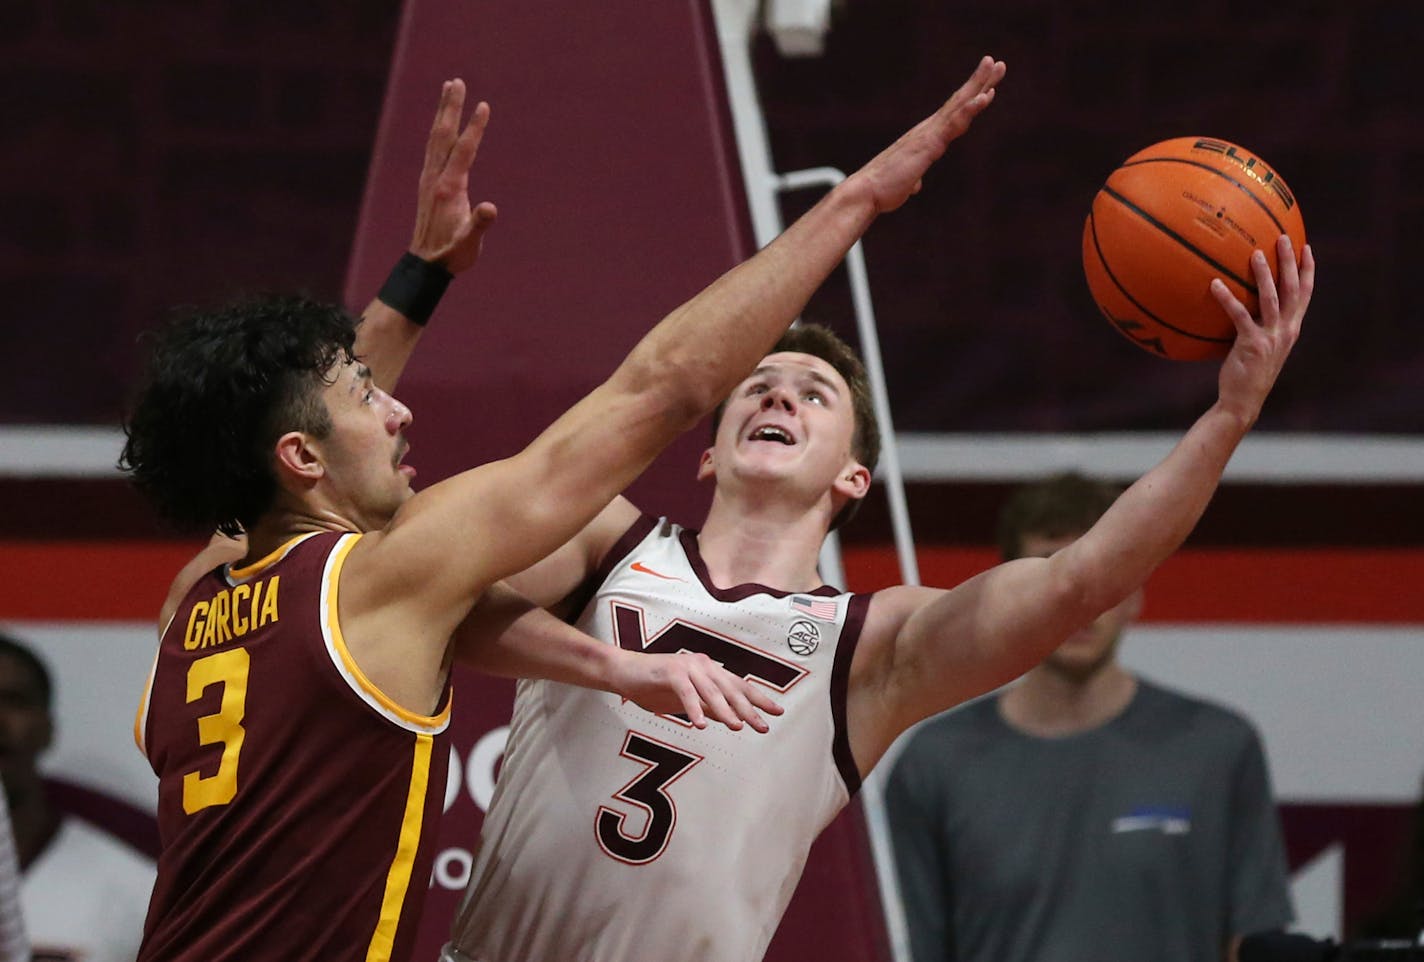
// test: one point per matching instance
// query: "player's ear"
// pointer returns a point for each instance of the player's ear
(705, 468)
(296, 458)
(853, 482)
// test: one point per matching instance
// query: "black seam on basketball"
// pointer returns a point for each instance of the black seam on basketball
(1093, 227)
(1178, 238)
(1220, 173)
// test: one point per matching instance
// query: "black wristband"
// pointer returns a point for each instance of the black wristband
(414, 287)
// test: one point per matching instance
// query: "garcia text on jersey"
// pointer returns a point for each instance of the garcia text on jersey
(232, 613)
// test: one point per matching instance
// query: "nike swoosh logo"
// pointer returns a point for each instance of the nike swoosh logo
(641, 568)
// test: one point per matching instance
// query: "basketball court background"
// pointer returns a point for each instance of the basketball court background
(228, 147)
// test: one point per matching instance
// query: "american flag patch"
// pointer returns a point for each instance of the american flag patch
(821, 608)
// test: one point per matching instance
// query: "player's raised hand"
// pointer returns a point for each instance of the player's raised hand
(1262, 344)
(692, 685)
(894, 174)
(448, 230)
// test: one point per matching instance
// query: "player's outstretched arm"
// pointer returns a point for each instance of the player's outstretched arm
(448, 237)
(925, 650)
(486, 524)
(508, 635)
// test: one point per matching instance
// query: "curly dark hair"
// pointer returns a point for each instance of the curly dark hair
(820, 341)
(1055, 507)
(221, 386)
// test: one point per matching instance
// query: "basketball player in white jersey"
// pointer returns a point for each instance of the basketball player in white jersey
(615, 833)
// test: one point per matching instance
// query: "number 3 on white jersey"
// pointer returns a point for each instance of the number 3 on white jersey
(664, 765)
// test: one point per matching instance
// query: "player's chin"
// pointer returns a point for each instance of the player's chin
(1079, 662)
(771, 464)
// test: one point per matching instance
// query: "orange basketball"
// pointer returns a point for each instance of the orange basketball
(1170, 219)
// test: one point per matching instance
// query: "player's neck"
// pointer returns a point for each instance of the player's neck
(1050, 703)
(761, 544)
(278, 527)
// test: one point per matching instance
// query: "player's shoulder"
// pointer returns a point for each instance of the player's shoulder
(615, 524)
(615, 536)
(888, 609)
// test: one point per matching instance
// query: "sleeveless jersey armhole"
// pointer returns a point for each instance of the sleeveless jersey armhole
(840, 687)
(581, 596)
(346, 665)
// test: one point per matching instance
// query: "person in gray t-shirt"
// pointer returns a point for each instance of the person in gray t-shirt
(1084, 815)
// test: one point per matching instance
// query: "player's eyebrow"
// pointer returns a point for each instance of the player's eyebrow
(363, 375)
(812, 373)
(820, 378)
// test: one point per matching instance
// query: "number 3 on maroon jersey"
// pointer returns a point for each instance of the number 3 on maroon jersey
(227, 669)
(664, 765)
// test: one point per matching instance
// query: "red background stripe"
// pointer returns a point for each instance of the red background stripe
(64, 580)
(1215, 584)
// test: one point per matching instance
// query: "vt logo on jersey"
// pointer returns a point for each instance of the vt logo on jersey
(679, 635)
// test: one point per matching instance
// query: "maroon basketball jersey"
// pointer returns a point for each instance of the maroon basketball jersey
(297, 805)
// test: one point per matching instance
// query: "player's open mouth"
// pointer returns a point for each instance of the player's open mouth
(771, 432)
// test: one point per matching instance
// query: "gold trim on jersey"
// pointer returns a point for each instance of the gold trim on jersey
(141, 716)
(240, 574)
(398, 878)
(350, 669)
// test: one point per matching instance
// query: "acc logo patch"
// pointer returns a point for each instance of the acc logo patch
(803, 638)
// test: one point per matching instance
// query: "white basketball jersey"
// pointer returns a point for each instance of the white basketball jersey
(616, 834)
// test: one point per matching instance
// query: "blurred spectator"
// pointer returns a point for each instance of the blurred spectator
(1084, 814)
(13, 945)
(84, 894)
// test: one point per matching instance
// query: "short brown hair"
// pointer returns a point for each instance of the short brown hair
(822, 342)
(1055, 507)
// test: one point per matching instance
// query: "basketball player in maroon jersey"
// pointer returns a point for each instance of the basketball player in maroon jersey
(793, 452)
(298, 700)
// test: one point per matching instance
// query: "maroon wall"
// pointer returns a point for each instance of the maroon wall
(164, 153)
